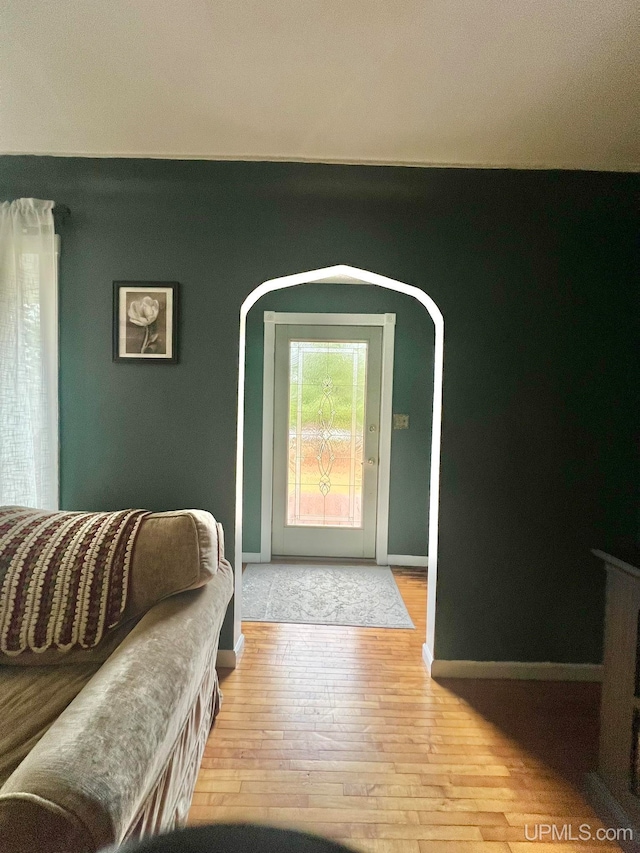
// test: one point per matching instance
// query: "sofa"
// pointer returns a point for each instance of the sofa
(100, 745)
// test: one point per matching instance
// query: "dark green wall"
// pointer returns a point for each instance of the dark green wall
(536, 276)
(412, 395)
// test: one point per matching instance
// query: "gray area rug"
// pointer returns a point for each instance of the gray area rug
(363, 596)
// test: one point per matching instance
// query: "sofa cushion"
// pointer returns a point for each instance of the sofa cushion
(32, 699)
(173, 552)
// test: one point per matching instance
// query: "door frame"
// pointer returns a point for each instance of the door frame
(388, 324)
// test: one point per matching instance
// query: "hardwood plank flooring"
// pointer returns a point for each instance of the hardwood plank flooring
(339, 731)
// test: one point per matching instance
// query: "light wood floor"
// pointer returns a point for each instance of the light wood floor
(340, 732)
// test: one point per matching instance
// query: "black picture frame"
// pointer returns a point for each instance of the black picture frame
(145, 321)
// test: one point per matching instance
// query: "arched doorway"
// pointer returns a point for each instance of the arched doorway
(343, 274)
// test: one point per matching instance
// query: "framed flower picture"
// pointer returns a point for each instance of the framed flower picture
(145, 315)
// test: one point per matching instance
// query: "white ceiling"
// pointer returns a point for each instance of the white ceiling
(522, 83)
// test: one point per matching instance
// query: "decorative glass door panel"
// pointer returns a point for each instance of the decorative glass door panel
(327, 381)
(326, 418)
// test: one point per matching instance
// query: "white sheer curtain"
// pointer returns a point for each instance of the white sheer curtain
(28, 355)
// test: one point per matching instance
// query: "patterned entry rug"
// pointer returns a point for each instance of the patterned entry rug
(363, 596)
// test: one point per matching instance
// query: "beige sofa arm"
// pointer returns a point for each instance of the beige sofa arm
(81, 786)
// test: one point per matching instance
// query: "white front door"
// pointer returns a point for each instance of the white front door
(327, 385)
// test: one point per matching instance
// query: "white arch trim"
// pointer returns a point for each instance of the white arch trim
(343, 274)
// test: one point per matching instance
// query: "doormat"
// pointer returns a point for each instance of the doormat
(362, 596)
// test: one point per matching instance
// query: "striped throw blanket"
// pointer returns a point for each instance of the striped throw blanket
(63, 576)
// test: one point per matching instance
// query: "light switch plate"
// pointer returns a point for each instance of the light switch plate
(401, 421)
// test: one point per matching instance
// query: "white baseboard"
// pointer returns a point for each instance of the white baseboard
(230, 658)
(611, 812)
(525, 670)
(406, 560)
(392, 559)
(427, 657)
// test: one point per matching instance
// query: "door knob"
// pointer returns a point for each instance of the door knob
(371, 461)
